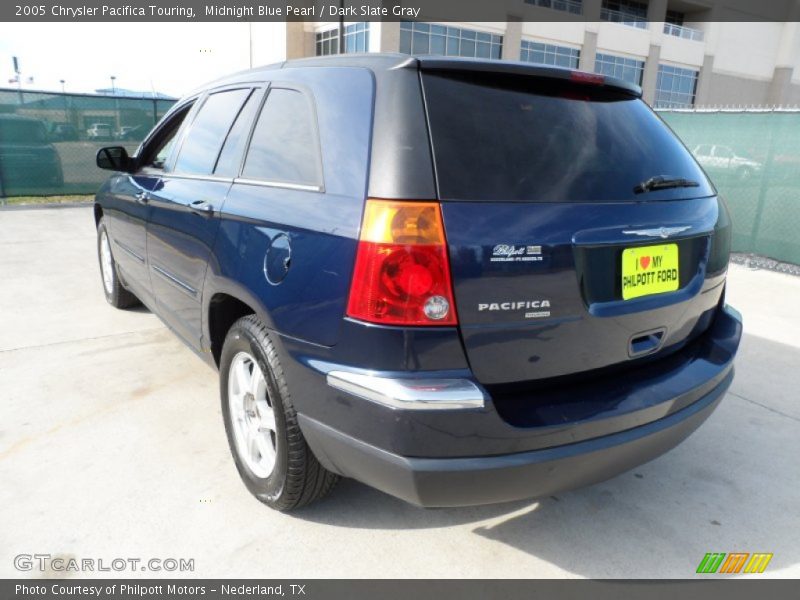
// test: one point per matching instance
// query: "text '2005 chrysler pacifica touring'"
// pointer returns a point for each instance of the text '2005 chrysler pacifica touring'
(457, 281)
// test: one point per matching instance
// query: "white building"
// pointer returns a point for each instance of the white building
(682, 52)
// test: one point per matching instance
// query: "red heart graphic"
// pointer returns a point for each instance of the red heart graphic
(645, 262)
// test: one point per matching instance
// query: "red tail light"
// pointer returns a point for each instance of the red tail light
(402, 273)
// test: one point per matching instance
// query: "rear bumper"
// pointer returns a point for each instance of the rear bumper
(576, 453)
(483, 480)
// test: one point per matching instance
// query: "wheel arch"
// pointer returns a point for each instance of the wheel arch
(224, 308)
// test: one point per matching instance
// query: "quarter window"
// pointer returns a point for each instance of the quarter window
(284, 147)
(200, 148)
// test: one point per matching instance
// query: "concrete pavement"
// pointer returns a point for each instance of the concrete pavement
(112, 445)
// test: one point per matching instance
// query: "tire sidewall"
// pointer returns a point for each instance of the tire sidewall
(241, 339)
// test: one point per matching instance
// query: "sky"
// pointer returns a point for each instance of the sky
(172, 58)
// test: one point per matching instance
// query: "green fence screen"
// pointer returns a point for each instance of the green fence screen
(48, 141)
(753, 157)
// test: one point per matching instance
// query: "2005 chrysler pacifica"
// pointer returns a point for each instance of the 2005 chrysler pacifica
(457, 281)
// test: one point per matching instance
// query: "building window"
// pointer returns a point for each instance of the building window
(675, 87)
(550, 54)
(627, 12)
(675, 17)
(571, 6)
(627, 69)
(328, 42)
(356, 39)
(425, 38)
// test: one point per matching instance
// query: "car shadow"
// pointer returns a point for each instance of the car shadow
(734, 486)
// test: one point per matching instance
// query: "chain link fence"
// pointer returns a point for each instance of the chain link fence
(48, 141)
(753, 157)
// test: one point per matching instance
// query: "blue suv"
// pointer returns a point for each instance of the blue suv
(457, 281)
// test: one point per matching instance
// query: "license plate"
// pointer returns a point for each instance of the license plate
(649, 270)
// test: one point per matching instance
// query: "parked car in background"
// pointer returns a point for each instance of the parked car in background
(99, 131)
(458, 281)
(130, 133)
(28, 161)
(724, 161)
(63, 132)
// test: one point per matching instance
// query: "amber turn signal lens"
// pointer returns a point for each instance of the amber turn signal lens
(402, 271)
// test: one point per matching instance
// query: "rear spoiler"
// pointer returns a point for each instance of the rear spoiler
(434, 63)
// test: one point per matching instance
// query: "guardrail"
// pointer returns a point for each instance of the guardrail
(681, 31)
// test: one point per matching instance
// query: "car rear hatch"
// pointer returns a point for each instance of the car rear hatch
(581, 232)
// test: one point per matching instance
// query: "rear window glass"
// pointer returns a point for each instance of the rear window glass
(510, 138)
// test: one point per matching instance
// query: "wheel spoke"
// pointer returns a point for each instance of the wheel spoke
(251, 415)
(258, 386)
(242, 378)
(265, 448)
(266, 415)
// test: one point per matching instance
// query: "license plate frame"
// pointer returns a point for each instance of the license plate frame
(649, 270)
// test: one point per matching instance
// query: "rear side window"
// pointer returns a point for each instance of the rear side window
(200, 148)
(231, 155)
(504, 138)
(284, 147)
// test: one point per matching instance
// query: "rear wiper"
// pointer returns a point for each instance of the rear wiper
(663, 182)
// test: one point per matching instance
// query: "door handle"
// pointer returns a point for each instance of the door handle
(143, 197)
(202, 207)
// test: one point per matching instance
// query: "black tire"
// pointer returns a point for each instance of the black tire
(116, 294)
(297, 478)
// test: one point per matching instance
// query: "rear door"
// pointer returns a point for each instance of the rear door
(185, 208)
(559, 266)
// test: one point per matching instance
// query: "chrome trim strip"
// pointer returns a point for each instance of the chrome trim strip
(198, 177)
(662, 232)
(174, 280)
(409, 394)
(129, 251)
(280, 184)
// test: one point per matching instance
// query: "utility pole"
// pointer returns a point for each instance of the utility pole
(63, 90)
(113, 85)
(18, 76)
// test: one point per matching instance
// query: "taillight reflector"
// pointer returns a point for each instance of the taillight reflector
(402, 271)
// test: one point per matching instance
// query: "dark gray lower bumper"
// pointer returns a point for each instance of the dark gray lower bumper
(484, 480)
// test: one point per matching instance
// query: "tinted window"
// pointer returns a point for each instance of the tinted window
(284, 147)
(231, 155)
(199, 151)
(526, 139)
(155, 153)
